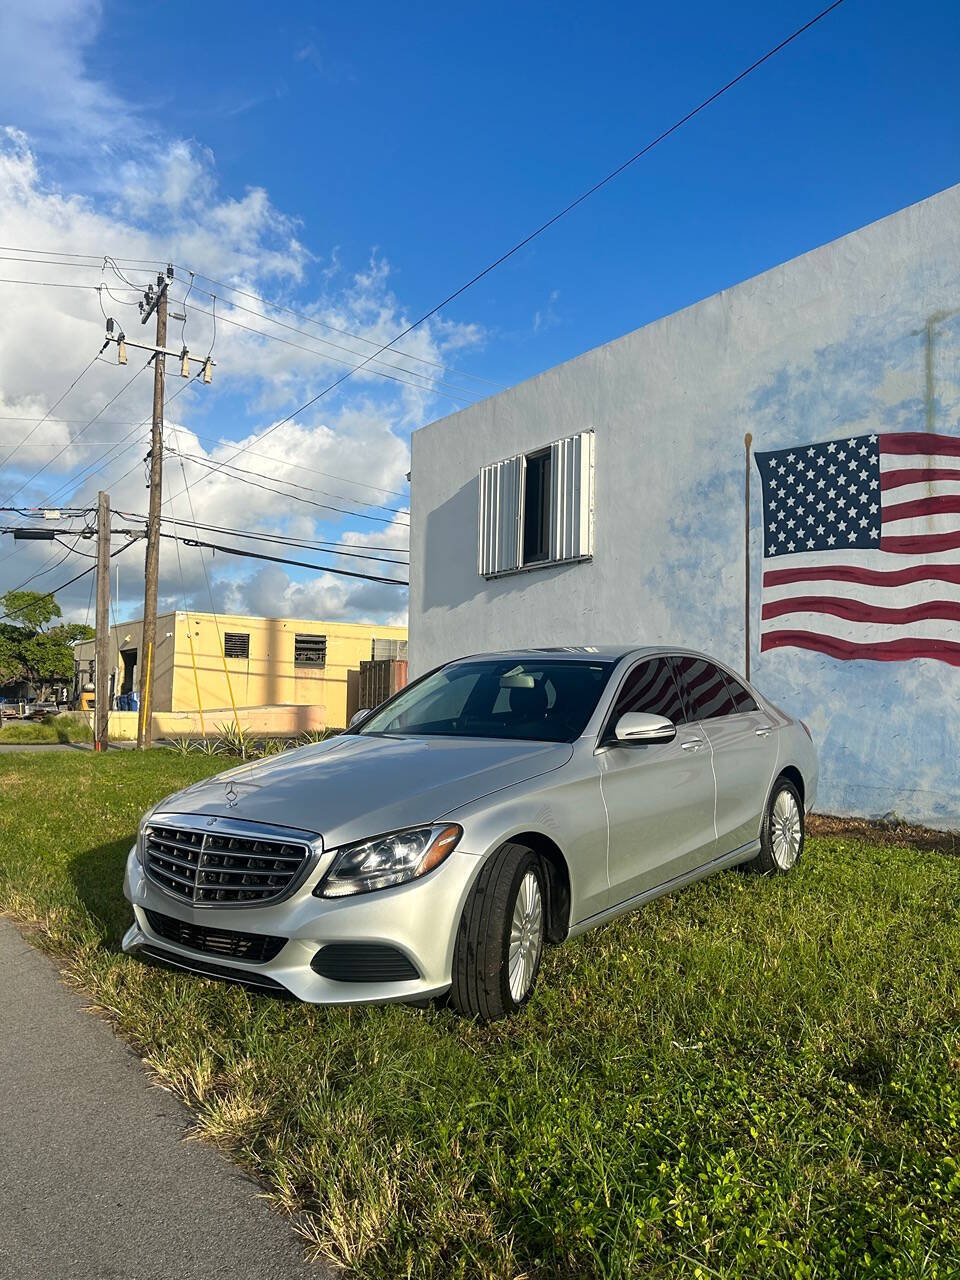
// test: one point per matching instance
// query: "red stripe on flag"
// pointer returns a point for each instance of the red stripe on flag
(921, 544)
(857, 611)
(885, 651)
(866, 577)
(914, 442)
(917, 475)
(945, 504)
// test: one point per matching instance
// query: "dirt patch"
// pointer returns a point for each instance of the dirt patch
(884, 832)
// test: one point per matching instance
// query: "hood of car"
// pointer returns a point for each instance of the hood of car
(355, 786)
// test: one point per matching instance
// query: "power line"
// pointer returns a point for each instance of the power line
(347, 333)
(433, 383)
(269, 457)
(98, 261)
(49, 262)
(246, 478)
(92, 469)
(343, 497)
(76, 437)
(334, 360)
(550, 221)
(97, 257)
(47, 595)
(213, 439)
(47, 284)
(300, 564)
(40, 421)
(46, 567)
(358, 551)
(323, 324)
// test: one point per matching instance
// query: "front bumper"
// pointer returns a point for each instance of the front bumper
(419, 920)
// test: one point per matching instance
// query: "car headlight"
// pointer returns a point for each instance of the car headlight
(388, 860)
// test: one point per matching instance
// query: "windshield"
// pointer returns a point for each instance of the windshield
(541, 699)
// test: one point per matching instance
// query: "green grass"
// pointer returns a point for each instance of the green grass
(750, 1078)
(61, 728)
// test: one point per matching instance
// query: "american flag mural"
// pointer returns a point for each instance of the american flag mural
(862, 547)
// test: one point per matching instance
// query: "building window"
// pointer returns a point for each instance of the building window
(388, 649)
(236, 644)
(310, 651)
(537, 508)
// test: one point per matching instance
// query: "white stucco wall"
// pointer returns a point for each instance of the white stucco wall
(831, 344)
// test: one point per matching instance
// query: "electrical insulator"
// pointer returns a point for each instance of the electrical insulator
(110, 324)
(184, 363)
(207, 375)
(121, 350)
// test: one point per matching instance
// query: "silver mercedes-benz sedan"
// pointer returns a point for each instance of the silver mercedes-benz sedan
(498, 803)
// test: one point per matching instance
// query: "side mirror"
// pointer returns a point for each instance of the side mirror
(639, 727)
(358, 716)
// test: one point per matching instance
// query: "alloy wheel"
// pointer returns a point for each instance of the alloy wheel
(786, 829)
(526, 936)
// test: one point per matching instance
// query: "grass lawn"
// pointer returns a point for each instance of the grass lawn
(62, 728)
(750, 1078)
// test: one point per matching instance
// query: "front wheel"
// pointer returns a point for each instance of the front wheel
(499, 943)
(781, 835)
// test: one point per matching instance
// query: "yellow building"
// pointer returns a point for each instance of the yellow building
(272, 665)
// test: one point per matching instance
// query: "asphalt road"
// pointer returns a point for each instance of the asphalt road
(96, 1180)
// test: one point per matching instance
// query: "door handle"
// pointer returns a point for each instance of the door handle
(762, 733)
(692, 744)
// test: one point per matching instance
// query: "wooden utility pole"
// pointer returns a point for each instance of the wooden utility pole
(101, 709)
(156, 302)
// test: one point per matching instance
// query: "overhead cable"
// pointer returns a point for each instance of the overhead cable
(568, 208)
(40, 421)
(300, 564)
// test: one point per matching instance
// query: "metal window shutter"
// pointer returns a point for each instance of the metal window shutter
(571, 507)
(499, 532)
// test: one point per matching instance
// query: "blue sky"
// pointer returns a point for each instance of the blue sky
(432, 137)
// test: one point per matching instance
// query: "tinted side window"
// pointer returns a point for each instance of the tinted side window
(650, 688)
(742, 698)
(704, 689)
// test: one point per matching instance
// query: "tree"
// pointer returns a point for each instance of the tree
(30, 648)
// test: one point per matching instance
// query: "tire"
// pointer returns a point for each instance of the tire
(496, 957)
(782, 831)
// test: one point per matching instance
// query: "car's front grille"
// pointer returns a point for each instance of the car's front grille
(255, 948)
(225, 864)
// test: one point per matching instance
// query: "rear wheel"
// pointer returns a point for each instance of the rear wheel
(499, 942)
(782, 832)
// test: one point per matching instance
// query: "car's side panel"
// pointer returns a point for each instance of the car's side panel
(731, 859)
(565, 806)
(659, 798)
(745, 753)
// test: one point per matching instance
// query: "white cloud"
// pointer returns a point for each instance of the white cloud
(94, 203)
(547, 316)
(42, 70)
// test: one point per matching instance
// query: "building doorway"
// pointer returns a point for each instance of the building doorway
(129, 659)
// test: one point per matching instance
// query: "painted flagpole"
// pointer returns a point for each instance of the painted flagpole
(747, 442)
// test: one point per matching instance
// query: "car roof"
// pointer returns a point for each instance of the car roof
(572, 653)
(591, 653)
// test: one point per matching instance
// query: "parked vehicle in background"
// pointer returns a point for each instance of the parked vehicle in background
(498, 803)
